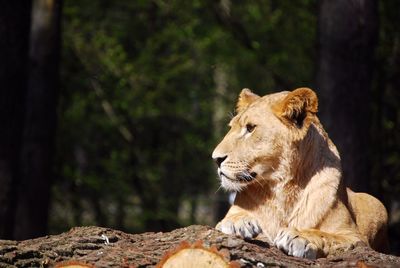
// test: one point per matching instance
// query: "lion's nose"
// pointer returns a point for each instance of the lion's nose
(219, 160)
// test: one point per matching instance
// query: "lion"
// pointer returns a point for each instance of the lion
(287, 176)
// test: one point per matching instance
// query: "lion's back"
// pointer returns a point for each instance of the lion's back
(371, 218)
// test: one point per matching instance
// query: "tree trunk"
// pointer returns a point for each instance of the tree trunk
(14, 38)
(347, 34)
(40, 121)
(221, 204)
(104, 247)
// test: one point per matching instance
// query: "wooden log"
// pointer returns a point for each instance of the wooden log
(104, 247)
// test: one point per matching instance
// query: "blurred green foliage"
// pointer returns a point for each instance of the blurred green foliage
(136, 126)
(137, 111)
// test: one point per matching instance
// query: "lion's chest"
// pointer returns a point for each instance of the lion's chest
(273, 215)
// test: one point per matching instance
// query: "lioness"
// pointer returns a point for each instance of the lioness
(287, 176)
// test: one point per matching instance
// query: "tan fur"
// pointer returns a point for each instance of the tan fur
(287, 175)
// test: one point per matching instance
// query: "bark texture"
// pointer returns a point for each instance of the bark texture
(104, 247)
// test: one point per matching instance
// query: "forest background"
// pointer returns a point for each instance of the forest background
(110, 109)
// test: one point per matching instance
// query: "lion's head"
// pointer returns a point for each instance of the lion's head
(262, 135)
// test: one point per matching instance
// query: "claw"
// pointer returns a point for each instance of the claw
(246, 227)
(292, 243)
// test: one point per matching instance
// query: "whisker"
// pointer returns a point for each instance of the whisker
(248, 167)
(259, 183)
(262, 186)
(219, 188)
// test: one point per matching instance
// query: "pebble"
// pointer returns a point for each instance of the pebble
(231, 243)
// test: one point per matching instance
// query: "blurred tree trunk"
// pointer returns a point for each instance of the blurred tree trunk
(40, 121)
(221, 204)
(14, 44)
(347, 35)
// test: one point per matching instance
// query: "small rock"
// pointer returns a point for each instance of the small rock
(233, 242)
(219, 240)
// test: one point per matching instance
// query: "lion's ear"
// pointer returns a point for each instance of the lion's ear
(246, 97)
(297, 105)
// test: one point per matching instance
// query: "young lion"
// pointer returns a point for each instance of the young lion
(287, 175)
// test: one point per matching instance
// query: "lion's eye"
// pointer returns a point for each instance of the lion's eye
(250, 127)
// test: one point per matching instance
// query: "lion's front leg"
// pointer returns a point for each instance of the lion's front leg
(313, 243)
(240, 223)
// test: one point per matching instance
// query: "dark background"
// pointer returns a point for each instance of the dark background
(110, 109)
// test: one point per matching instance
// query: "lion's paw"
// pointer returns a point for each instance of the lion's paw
(244, 227)
(292, 243)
